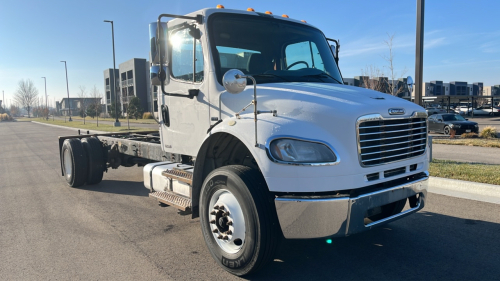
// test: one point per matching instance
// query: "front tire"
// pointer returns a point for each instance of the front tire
(238, 219)
(74, 160)
(447, 130)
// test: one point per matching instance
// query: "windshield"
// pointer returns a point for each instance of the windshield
(271, 50)
(453, 118)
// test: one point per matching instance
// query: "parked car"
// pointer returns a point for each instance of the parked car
(487, 110)
(463, 110)
(444, 123)
(434, 110)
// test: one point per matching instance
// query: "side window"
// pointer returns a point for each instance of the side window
(303, 55)
(182, 62)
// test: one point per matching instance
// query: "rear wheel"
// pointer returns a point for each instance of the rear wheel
(74, 160)
(95, 157)
(238, 219)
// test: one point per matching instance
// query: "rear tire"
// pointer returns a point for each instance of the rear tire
(250, 229)
(74, 160)
(95, 157)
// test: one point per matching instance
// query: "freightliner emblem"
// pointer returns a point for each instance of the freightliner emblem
(396, 111)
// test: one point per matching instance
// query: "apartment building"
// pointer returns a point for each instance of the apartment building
(75, 105)
(134, 82)
(111, 77)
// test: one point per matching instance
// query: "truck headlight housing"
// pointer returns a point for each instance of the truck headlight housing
(301, 152)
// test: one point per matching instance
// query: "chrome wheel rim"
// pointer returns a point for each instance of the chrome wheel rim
(68, 166)
(226, 221)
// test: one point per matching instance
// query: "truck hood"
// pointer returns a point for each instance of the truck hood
(333, 100)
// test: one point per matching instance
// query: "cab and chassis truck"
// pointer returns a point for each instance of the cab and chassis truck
(259, 137)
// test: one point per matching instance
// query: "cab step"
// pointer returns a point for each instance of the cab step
(183, 175)
(177, 201)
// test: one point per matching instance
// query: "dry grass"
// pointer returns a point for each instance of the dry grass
(147, 115)
(488, 133)
(465, 171)
(5, 117)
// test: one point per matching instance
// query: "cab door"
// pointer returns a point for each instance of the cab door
(186, 94)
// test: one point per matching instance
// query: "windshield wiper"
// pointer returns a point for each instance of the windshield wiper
(319, 75)
(270, 75)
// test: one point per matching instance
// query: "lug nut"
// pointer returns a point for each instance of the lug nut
(213, 213)
(229, 223)
(221, 207)
(229, 232)
(212, 221)
(219, 237)
(225, 238)
(226, 214)
(216, 207)
(215, 230)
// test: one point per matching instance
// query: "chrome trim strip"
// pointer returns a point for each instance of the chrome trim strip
(395, 156)
(383, 126)
(388, 132)
(389, 144)
(393, 137)
(390, 150)
(273, 138)
(378, 117)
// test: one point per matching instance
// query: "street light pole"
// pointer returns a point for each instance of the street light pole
(419, 52)
(67, 88)
(117, 122)
(46, 101)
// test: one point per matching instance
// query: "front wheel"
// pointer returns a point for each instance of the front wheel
(238, 219)
(447, 130)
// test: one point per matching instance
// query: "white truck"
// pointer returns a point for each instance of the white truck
(259, 137)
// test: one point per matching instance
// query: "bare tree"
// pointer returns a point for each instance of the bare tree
(26, 94)
(370, 78)
(95, 104)
(393, 86)
(82, 95)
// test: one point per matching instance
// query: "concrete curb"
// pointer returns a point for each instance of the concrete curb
(465, 189)
(83, 131)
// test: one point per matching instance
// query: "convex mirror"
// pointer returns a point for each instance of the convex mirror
(233, 81)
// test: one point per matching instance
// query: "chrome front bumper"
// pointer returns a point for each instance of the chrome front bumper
(302, 218)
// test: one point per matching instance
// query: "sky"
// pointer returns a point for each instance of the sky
(461, 43)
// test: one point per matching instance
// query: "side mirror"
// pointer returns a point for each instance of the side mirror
(332, 47)
(233, 81)
(409, 83)
(154, 76)
(157, 44)
(440, 120)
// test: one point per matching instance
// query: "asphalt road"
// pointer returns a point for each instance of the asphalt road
(113, 231)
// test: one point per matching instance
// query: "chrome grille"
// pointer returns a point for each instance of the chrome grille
(382, 140)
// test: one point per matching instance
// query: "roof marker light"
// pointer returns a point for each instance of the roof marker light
(285, 16)
(220, 6)
(268, 12)
(250, 10)
(303, 21)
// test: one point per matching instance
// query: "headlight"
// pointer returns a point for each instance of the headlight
(455, 126)
(476, 125)
(292, 151)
